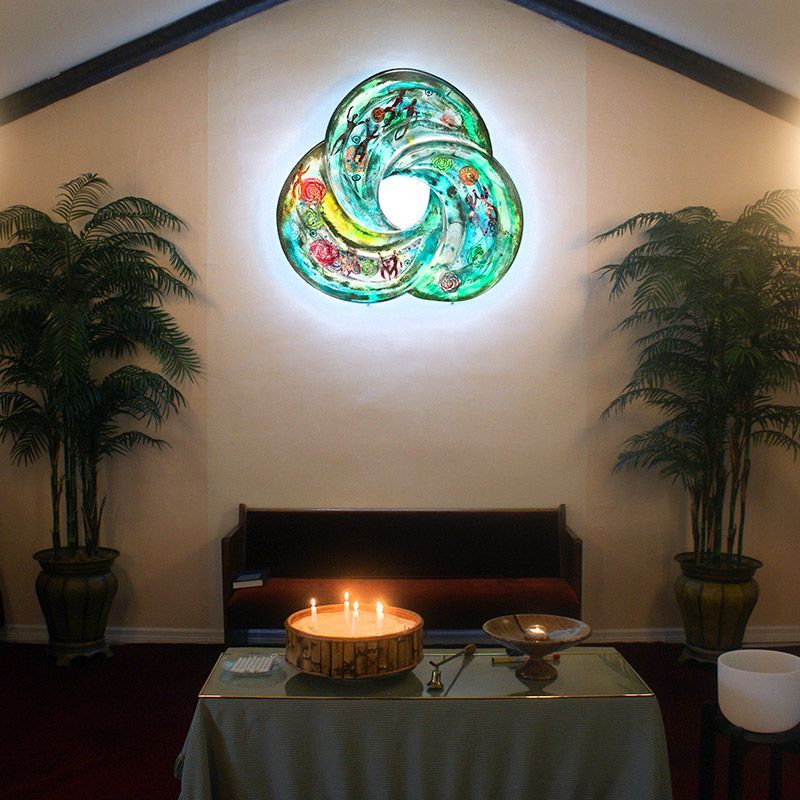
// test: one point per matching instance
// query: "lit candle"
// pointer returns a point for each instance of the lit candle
(346, 606)
(379, 615)
(313, 613)
(355, 615)
(536, 632)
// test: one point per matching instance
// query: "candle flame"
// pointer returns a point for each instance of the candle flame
(379, 607)
(355, 606)
(313, 602)
(346, 596)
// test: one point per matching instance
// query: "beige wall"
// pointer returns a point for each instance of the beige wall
(311, 401)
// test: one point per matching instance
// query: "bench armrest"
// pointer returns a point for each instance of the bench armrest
(570, 553)
(233, 551)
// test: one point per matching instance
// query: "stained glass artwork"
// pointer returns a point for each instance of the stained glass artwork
(401, 122)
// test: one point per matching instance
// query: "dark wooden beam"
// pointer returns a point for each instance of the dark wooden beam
(158, 43)
(569, 12)
(667, 54)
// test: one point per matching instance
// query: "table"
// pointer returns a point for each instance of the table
(740, 740)
(594, 732)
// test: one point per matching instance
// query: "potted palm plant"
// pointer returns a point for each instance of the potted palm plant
(717, 306)
(81, 292)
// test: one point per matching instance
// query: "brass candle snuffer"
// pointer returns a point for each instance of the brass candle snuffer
(435, 683)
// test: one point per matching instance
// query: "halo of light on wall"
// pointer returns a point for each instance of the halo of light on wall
(411, 124)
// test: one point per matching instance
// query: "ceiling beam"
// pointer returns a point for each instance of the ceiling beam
(576, 15)
(184, 31)
(665, 53)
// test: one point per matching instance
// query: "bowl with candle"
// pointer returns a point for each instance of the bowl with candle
(352, 641)
(537, 636)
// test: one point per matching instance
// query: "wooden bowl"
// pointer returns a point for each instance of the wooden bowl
(357, 653)
(537, 635)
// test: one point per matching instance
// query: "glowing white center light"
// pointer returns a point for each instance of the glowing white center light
(403, 200)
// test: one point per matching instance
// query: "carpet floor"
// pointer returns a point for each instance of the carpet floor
(111, 729)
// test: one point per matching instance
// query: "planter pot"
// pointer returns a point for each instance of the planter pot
(716, 600)
(759, 690)
(75, 593)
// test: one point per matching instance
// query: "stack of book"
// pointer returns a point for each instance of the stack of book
(247, 579)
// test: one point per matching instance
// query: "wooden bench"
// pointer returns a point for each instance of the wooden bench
(456, 568)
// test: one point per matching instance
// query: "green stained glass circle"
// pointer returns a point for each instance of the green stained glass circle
(401, 122)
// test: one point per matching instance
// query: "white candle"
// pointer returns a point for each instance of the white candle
(379, 615)
(313, 613)
(346, 606)
(536, 632)
(355, 616)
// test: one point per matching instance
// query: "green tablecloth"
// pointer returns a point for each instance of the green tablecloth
(594, 733)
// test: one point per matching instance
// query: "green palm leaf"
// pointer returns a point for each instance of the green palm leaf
(80, 197)
(17, 218)
(130, 214)
(778, 203)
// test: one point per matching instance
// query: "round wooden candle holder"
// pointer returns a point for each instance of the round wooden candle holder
(362, 650)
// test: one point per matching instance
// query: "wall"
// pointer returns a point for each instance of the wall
(307, 400)
(409, 403)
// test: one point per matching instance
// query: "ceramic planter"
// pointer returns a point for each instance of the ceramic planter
(716, 600)
(75, 593)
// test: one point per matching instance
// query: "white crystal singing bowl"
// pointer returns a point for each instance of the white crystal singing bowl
(759, 690)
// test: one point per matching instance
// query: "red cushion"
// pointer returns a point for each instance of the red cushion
(446, 603)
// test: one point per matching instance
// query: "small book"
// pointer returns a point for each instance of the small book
(247, 579)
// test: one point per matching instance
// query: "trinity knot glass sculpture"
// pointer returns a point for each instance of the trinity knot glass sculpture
(401, 122)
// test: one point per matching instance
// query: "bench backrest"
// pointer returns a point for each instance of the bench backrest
(400, 543)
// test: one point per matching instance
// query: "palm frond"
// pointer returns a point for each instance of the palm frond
(693, 215)
(132, 273)
(766, 414)
(24, 421)
(131, 214)
(658, 448)
(141, 393)
(773, 438)
(778, 203)
(19, 217)
(655, 396)
(636, 223)
(80, 197)
(65, 345)
(147, 240)
(158, 332)
(126, 441)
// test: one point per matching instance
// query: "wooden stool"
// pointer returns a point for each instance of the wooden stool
(741, 742)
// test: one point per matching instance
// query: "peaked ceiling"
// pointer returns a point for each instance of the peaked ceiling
(41, 38)
(760, 38)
